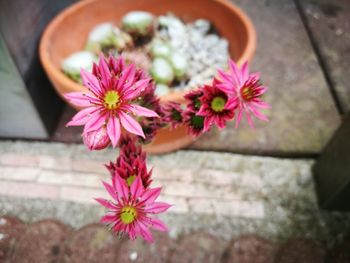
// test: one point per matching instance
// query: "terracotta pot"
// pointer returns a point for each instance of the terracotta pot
(68, 32)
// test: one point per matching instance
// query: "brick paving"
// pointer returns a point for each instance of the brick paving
(227, 208)
(73, 179)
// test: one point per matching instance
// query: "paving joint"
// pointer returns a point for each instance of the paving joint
(321, 61)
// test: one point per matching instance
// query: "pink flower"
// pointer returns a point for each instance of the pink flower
(97, 140)
(131, 162)
(108, 101)
(244, 91)
(194, 123)
(131, 209)
(173, 114)
(193, 99)
(213, 106)
(150, 125)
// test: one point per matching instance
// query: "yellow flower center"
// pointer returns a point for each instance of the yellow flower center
(130, 180)
(111, 100)
(128, 214)
(218, 104)
(248, 93)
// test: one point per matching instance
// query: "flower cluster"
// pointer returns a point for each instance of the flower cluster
(109, 102)
(131, 162)
(133, 202)
(244, 92)
(173, 114)
(120, 108)
(227, 97)
(150, 125)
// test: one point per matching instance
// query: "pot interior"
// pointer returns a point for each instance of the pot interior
(70, 32)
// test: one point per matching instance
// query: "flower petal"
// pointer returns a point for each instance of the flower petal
(150, 195)
(130, 124)
(159, 225)
(136, 188)
(136, 89)
(90, 81)
(207, 124)
(121, 187)
(128, 76)
(235, 73)
(106, 203)
(239, 117)
(224, 76)
(110, 190)
(132, 233)
(104, 70)
(261, 104)
(245, 71)
(113, 130)
(96, 121)
(202, 111)
(145, 232)
(255, 76)
(81, 117)
(231, 104)
(97, 139)
(249, 119)
(142, 111)
(229, 89)
(80, 99)
(157, 207)
(107, 219)
(258, 114)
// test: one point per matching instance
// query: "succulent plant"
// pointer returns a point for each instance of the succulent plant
(72, 65)
(162, 71)
(161, 49)
(138, 23)
(202, 25)
(179, 64)
(139, 58)
(106, 37)
(162, 90)
(170, 21)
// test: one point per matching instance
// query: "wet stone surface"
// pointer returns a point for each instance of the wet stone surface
(40, 242)
(50, 241)
(198, 247)
(249, 249)
(92, 243)
(141, 251)
(341, 253)
(298, 250)
(10, 230)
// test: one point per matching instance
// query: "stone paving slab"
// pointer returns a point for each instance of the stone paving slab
(225, 194)
(330, 28)
(303, 115)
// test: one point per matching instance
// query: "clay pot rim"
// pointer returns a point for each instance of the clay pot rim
(175, 96)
